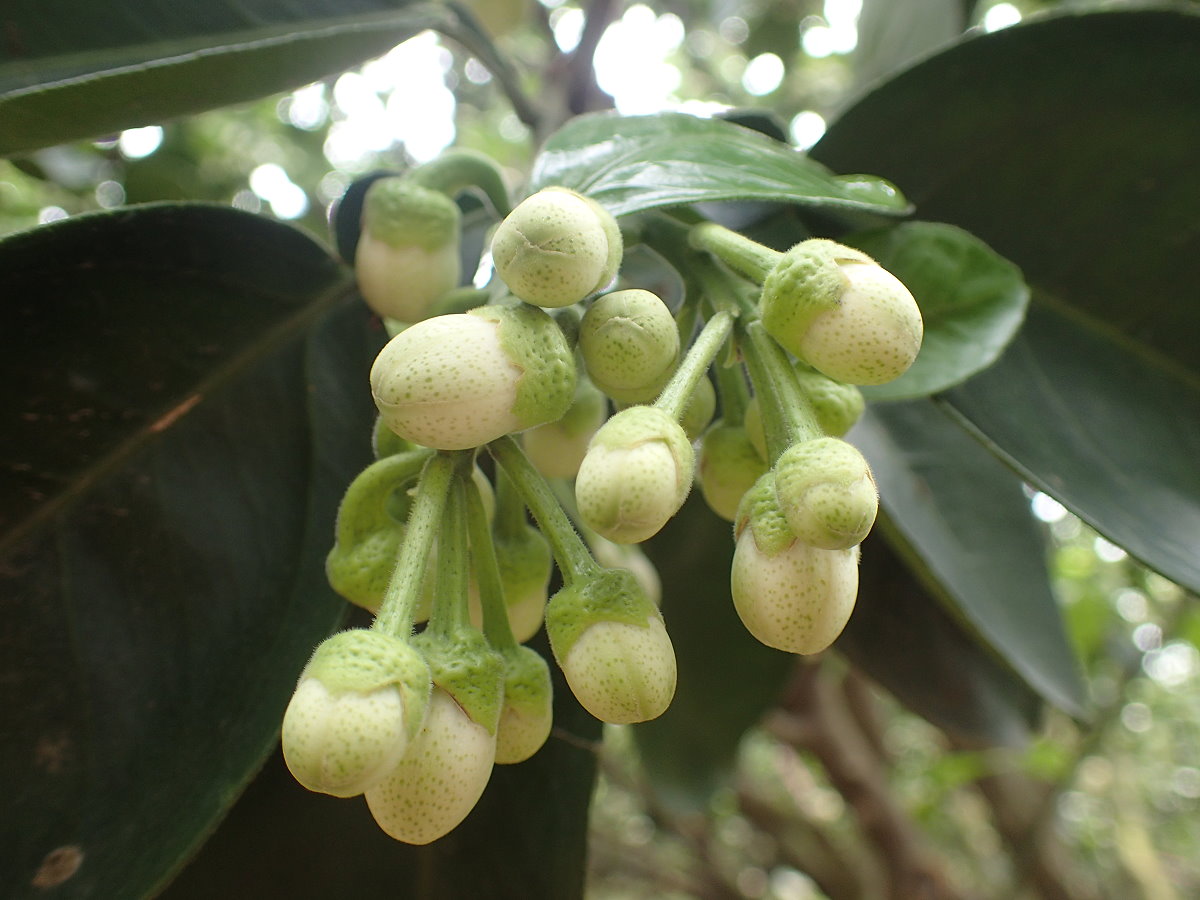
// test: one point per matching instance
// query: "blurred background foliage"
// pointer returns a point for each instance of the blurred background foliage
(1106, 808)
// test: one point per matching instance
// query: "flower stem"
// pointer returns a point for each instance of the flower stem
(456, 170)
(449, 612)
(572, 555)
(487, 573)
(704, 350)
(741, 254)
(788, 415)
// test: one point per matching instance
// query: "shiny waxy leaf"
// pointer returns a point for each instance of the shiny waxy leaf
(635, 163)
(1068, 145)
(972, 302)
(182, 388)
(88, 69)
(964, 523)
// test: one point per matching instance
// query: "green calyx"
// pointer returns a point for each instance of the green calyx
(760, 511)
(528, 712)
(533, 342)
(630, 345)
(369, 532)
(465, 666)
(403, 213)
(361, 660)
(611, 595)
(827, 493)
(728, 466)
(837, 406)
(804, 283)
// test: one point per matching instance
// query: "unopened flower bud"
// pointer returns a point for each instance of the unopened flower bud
(826, 492)
(635, 476)
(557, 448)
(840, 312)
(837, 406)
(630, 345)
(408, 253)
(557, 247)
(458, 381)
(441, 778)
(358, 706)
(612, 646)
(788, 594)
(527, 715)
(729, 465)
(701, 406)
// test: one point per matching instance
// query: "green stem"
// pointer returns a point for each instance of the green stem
(741, 254)
(456, 170)
(572, 555)
(733, 392)
(510, 521)
(449, 612)
(487, 573)
(404, 588)
(704, 350)
(364, 506)
(788, 415)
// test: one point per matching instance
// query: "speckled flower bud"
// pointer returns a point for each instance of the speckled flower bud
(458, 381)
(408, 253)
(630, 345)
(528, 714)
(441, 778)
(557, 247)
(837, 406)
(613, 648)
(635, 476)
(358, 706)
(837, 310)
(557, 448)
(729, 465)
(826, 492)
(788, 594)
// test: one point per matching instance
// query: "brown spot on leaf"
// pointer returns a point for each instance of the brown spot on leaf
(59, 866)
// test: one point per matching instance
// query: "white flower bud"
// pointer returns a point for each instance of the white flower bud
(557, 247)
(826, 492)
(557, 448)
(408, 252)
(635, 476)
(528, 714)
(840, 312)
(359, 704)
(630, 345)
(458, 381)
(441, 778)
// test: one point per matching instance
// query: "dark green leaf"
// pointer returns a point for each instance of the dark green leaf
(635, 163)
(966, 525)
(90, 69)
(1068, 145)
(184, 401)
(905, 640)
(727, 679)
(524, 841)
(972, 301)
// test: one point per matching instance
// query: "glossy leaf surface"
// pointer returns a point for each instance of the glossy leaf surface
(1068, 145)
(972, 302)
(88, 69)
(635, 163)
(963, 521)
(182, 394)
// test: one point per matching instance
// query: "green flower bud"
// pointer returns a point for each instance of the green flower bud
(370, 528)
(525, 563)
(841, 313)
(630, 345)
(613, 648)
(439, 780)
(826, 492)
(753, 423)
(701, 407)
(557, 247)
(528, 713)
(728, 466)
(408, 253)
(458, 381)
(837, 406)
(788, 594)
(557, 448)
(635, 476)
(359, 704)
(385, 442)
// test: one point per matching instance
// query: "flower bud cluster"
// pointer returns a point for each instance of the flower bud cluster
(416, 722)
